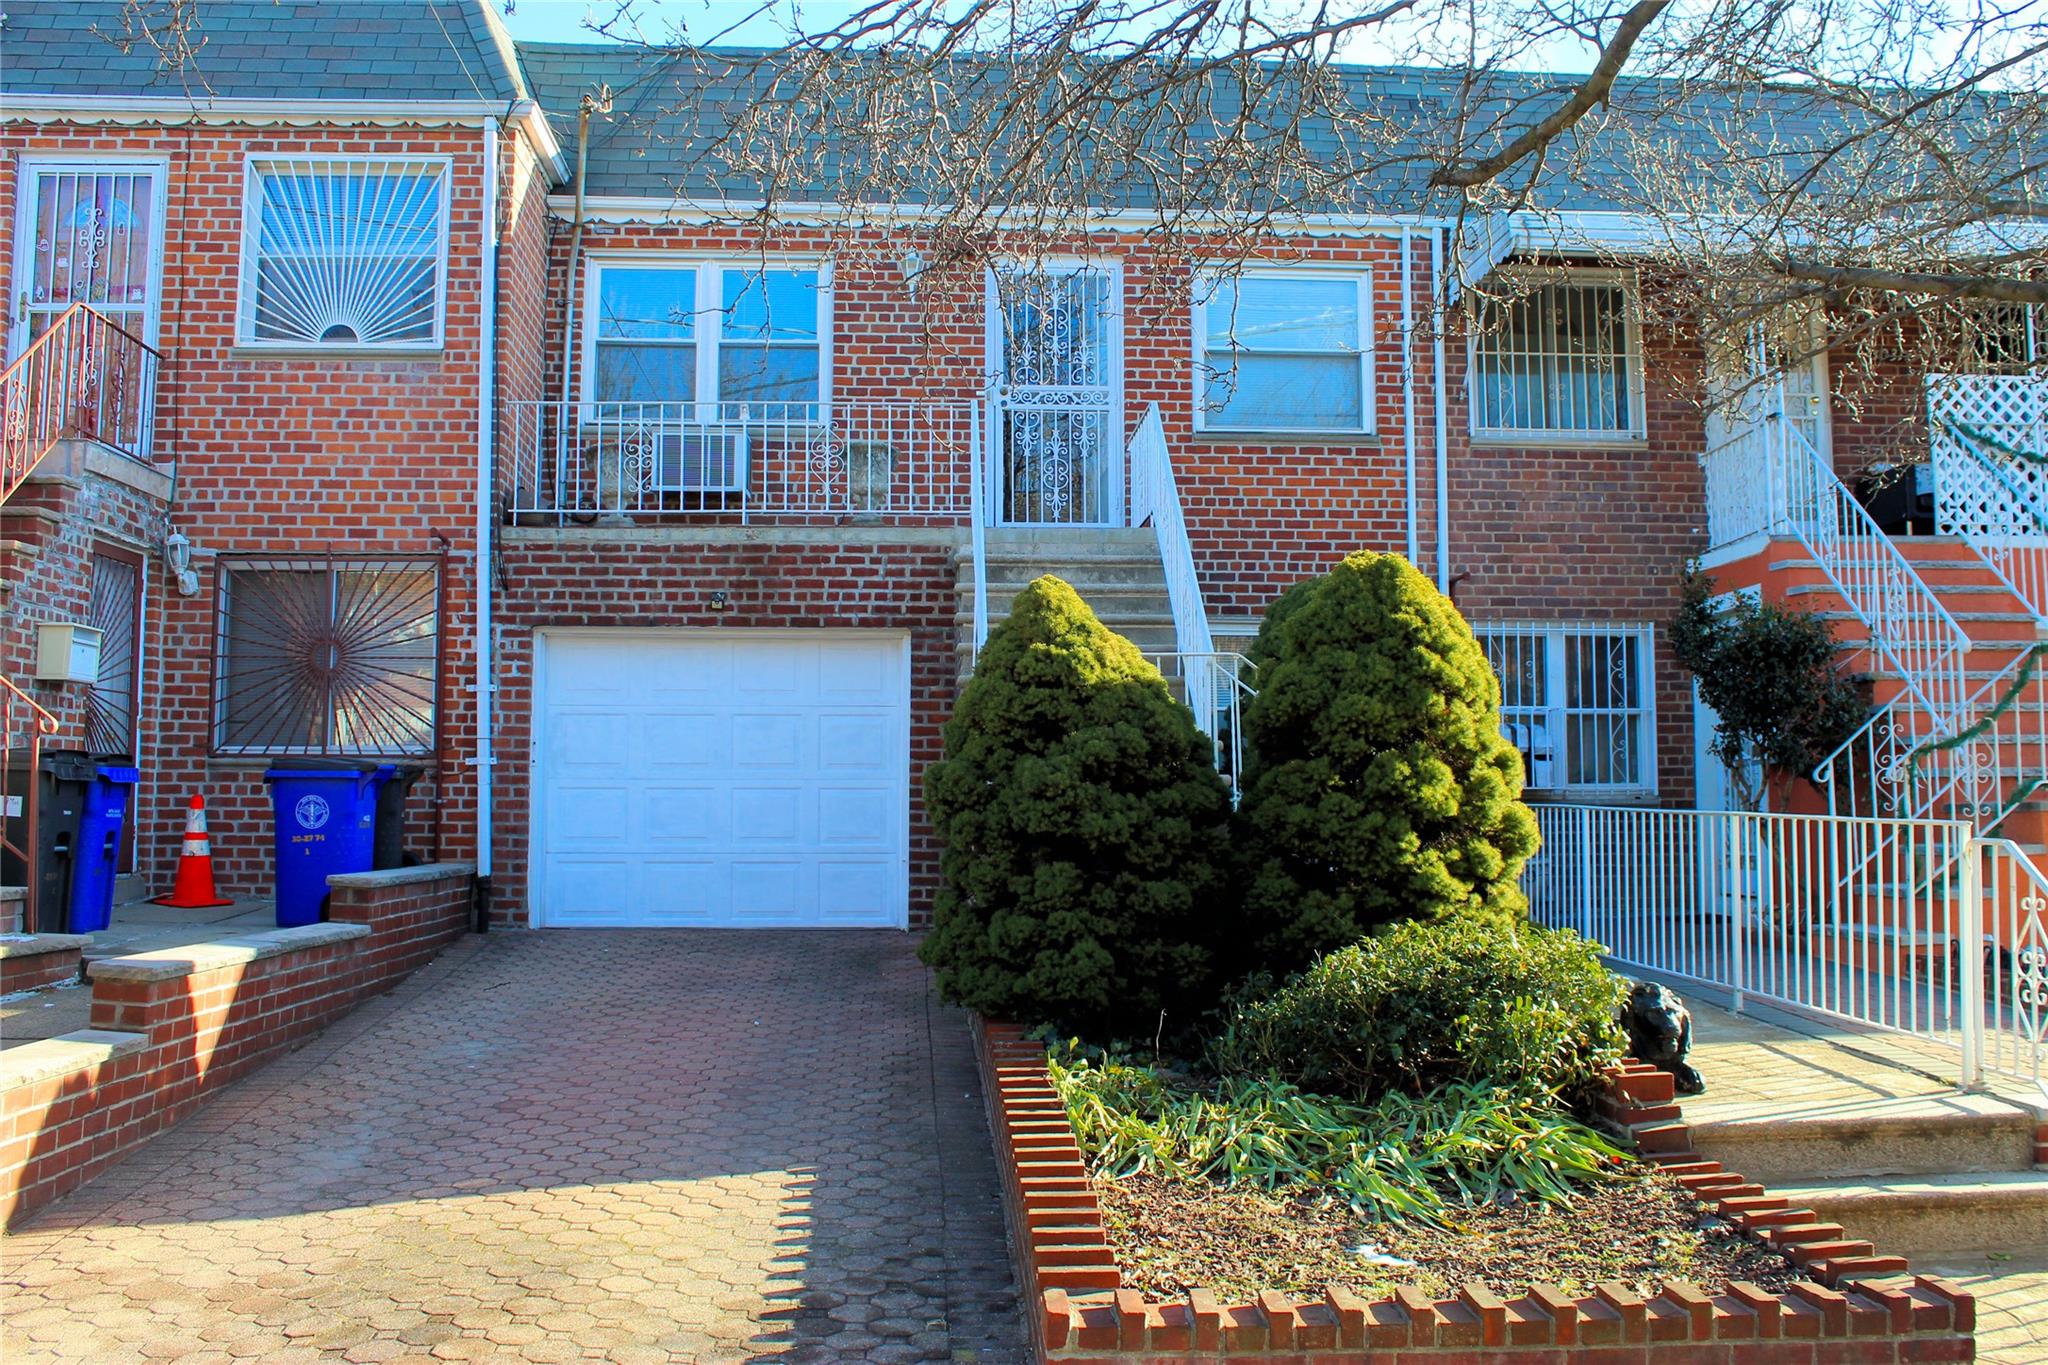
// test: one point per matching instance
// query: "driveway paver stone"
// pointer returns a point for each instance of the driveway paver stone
(672, 1145)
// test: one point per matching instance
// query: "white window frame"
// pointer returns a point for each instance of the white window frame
(710, 314)
(1632, 356)
(33, 164)
(1557, 713)
(1206, 284)
(252, 203)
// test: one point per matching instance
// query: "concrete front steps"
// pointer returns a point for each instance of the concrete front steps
(1868, 1131)
(1117, 571)
(1930, 1214)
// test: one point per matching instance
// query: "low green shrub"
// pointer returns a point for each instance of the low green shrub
(1400, 1157)
(1423, 1005)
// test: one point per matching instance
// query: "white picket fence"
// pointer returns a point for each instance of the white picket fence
(1915, 926)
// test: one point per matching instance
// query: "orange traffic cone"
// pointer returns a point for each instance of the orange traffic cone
(194, 888)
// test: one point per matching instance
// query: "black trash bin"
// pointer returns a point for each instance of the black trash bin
(389, 850)
(64, 780)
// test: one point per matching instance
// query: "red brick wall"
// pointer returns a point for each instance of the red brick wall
(206, 1028)
(303, 454)
(606, 580)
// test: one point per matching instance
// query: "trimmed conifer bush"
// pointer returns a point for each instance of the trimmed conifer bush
(1083, 823)
(1378, 786)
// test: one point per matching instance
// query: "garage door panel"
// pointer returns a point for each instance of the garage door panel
(769, 815)
(855, 743)
(768, 739)
(697, 817)
(672, 741)
(725, 778)
(854, 893)
(853, 817)
(581, 814)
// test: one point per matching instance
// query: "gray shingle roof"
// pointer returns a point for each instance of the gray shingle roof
(438, 50)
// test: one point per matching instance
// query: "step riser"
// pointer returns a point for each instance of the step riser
(1788, 1153)
(1920, 1228)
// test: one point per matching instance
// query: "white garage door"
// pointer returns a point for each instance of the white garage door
(736, 777)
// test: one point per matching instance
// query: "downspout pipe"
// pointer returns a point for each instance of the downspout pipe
(1408, 394)
(583, 111)
(1438, 319)
(486, 470)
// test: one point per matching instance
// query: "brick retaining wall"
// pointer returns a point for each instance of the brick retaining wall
(169, 1028)
(1080, 1311)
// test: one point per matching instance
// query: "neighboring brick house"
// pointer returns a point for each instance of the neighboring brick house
(734, 475)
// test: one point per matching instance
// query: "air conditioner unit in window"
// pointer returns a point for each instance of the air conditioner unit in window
(1534, 742)
(631, 463)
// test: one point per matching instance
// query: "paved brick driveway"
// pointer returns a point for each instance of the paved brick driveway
(698, 1146)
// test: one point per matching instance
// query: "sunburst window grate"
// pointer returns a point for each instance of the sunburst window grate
(327, 656)
(346, 253)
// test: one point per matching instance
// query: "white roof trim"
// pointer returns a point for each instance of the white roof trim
(674, 209)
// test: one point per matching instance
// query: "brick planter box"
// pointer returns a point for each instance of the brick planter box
(170, 1027)
(1860, 1308)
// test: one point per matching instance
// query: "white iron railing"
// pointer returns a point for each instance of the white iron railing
(1156, 499)
(1221, 682)
(1770, 480)
(2015, 963)
(1880, 922)
(840, 461)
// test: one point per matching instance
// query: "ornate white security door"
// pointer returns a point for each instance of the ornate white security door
(1055, 340)
(89, 234)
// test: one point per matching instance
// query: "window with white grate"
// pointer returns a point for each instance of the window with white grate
(1284, 351)
(2006, 338)
(1563, 359)
(663, 332)
(1576, 701)
(326, 656)
(344, 253)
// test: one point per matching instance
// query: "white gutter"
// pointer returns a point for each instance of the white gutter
(1443, 416)
(614, 208)
(1408, 394)
(486, 468)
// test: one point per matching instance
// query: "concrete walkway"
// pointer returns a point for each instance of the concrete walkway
(686, 1146)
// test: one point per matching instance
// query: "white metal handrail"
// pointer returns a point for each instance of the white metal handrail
(2013, 971)
(1839, 916)
(1155, 498)
(1224, 678)
(844, 460)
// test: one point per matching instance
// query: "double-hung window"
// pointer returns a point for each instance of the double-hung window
(1577, 701)
(326, 655)
(1284, 351)
(706, 332)
(344, 253)
(1562, 360)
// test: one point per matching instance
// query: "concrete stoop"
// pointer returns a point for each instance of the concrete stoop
(1116, 570)
(1909, 1136)
(1932, 1214)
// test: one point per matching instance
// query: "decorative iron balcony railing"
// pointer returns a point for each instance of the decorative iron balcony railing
(84, 376)
(592, 462)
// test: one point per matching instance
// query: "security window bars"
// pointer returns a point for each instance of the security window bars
(1576, 701)
(326, 656)
(663, 333)
(1561, 360)
(1280, 352)
(344, 253)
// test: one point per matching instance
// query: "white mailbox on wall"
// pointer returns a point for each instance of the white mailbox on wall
(67, 653)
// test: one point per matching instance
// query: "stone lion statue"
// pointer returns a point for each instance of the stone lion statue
(1660, 1033)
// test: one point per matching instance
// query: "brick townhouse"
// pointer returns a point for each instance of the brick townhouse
(737, 501)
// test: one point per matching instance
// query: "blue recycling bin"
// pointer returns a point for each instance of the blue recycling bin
(98, 861)
(326, 823)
